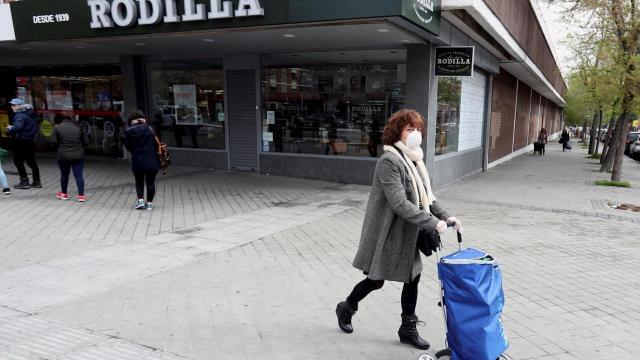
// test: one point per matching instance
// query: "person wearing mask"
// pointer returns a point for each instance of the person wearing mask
(400, 205)
(145, 163)
(25, 130)
(71, 141)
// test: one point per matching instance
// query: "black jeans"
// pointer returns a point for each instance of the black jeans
(148, 178)
(408, 300)
(25, 150)
(65, 169)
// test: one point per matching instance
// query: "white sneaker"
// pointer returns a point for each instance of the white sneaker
(140, 205)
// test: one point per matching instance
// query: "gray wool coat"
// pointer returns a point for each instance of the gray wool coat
(388, 249)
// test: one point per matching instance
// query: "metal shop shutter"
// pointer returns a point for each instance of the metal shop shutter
(243, 144)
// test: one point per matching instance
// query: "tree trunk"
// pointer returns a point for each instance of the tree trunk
(616, 174)
(607, 165)
(607, 138)
(594, 138)
(598, 132)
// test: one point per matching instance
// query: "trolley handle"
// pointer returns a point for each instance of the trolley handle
(458, 233)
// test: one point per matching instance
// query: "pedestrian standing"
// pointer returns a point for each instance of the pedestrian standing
(543, 138)
(401, 203)
(145, 163)
(71, 141)
(25, 130)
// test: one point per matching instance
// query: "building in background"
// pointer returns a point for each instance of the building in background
(289, 87)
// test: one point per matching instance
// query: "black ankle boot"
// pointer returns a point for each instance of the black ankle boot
(409, 333)
(345, 311)
(36, 184)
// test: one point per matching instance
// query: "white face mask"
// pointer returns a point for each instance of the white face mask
(414, 140)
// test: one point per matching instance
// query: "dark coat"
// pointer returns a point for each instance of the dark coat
(141, 143)
(388, 249)
(564, 138)
(25, 125)
(71, 140)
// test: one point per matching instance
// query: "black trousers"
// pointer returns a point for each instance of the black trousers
(148, 178)
(25, 150)
(408, 300)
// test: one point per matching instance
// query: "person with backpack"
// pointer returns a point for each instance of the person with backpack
(543, 138)
(401, 206)
(71, 141)
(25, 130)
(145, 162)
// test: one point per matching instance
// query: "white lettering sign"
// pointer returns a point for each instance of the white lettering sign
(150, 12)
(51, 18)
(124, 13)
(454, 61)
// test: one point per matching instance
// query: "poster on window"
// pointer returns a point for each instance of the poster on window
(472, 111)
(59, 100)
(184, 99)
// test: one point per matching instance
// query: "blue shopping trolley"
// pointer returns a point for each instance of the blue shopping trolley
(472, 301)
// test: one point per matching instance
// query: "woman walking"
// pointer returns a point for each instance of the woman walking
(565, 139)
(145, 163)
(543, 138)
(71, 141)
(401, 203)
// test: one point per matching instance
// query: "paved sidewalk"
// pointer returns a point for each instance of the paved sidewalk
(243, 266)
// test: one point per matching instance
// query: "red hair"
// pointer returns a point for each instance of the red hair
(398, 122)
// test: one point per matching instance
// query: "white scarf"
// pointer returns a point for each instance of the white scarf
(423, 190)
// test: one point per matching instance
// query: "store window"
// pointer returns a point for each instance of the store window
(95, 101)
(461, 112)
(331, 103)
(188, 103)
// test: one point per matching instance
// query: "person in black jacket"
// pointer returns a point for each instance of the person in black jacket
(564, 140)
(25, 130)
(71, 141)
(145, 163)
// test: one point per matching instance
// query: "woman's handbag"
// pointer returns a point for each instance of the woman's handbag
(163, 155)
(428, 243)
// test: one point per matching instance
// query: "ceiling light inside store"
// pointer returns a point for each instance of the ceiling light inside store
(208, 40)
(383, 30)
(289, 35)
(407, 41)
(141, 44)
(79, 47)
(25, 48)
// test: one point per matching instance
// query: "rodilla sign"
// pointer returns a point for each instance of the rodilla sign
(125, 13)
(41, 20)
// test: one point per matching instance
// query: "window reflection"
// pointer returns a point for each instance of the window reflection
(96, 102)
(330, 109)
(188, 103)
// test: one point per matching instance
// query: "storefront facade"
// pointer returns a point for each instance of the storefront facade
(294, 88)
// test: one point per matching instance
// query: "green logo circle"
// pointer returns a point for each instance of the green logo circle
(46, 128)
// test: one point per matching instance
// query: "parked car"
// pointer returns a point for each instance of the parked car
(634, 150)
(632, 137)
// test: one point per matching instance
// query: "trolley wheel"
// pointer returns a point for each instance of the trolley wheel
(443, 354)
(426, 357)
